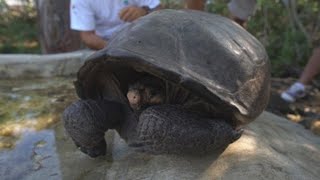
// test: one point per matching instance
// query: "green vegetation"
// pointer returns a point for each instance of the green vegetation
(287, 44)
(18, 29)
(289, 34)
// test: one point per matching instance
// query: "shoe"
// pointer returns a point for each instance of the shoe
(296, 91)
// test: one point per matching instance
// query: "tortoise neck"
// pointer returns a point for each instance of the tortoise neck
(118, 116)
(113, 113)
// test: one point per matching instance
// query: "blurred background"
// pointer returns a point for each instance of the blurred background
(289, 29)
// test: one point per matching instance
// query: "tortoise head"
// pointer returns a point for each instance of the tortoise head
(145, 92)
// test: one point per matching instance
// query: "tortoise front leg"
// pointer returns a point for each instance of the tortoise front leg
(173, 129)
(86, 122)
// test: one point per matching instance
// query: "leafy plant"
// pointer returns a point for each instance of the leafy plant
(18, 29)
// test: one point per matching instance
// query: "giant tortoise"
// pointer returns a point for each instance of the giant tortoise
(215, 75)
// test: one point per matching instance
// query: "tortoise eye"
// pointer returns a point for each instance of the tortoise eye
(153, 93)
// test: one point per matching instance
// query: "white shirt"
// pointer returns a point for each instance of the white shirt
(102, 16)
(242, 9)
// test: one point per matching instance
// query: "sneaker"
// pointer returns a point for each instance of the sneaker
(297, 90)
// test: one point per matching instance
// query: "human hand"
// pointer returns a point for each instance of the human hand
(131, 13)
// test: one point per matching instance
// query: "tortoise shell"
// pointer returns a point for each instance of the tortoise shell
(207, 54)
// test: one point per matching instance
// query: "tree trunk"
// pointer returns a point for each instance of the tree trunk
(55, 35)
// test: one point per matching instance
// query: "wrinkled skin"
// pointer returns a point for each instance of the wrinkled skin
(172, 129)
(158, 129)
(87, 121)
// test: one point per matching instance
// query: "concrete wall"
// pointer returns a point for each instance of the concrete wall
(30, 66)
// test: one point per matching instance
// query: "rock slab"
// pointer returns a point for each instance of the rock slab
(270, 148)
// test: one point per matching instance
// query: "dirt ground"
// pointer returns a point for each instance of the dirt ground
(305, 111)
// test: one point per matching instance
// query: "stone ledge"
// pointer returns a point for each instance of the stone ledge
(34, 65)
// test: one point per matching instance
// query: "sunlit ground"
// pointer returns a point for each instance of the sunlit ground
(31, 105)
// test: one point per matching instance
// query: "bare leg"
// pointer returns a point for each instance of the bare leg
(297, 90)
(312, 68)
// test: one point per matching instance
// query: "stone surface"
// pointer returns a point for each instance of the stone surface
(270, 148)
(30, 66)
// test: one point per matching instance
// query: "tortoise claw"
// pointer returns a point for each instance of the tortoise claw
(95, 151)
(140, 143)
(237, 134)
(144, 147)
